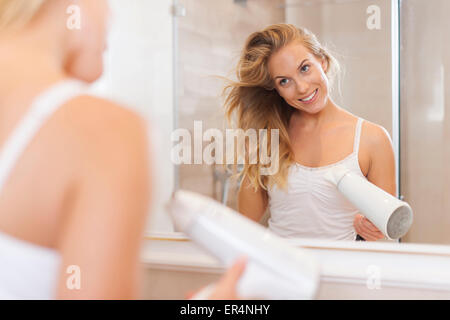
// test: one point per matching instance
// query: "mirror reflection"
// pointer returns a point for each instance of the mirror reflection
(320, 72)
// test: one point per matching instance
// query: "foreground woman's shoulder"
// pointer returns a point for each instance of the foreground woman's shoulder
(100, 111)
(104, 127)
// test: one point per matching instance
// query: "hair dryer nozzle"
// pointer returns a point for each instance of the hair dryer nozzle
(390, 215)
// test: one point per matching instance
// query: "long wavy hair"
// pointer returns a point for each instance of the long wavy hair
(252, 102)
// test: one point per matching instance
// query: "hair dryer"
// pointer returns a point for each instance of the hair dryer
(275, 268)
(390, 215)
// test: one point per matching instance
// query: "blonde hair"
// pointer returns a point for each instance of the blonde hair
(255, 103)
(17, 13)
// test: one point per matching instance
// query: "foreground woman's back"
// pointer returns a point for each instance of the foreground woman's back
(80, 187)
(74, 200)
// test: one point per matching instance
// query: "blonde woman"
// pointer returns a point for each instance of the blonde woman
(74, 174)
(284, 81)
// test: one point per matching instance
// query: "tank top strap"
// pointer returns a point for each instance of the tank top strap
(357, 135)
(40, 110)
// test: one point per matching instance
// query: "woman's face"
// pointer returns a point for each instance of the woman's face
(299, 77)
(86, 58)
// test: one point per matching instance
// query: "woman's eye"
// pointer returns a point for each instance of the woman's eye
(284, 82)
(305, 68)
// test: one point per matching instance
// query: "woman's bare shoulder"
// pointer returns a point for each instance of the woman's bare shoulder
(99, 128)
(101, 113)
(103, 118)
(376, 144)
(374, 134)
(371, 133)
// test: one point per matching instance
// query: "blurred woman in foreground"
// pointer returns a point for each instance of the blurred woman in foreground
(74, 174)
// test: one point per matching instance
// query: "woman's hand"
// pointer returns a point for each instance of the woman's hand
(366, 229)
(225, 288)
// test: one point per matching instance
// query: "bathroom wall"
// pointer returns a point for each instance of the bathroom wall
(211, 36)
(425, 122)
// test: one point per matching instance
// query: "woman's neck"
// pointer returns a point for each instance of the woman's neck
(26, 66)
(313, 121)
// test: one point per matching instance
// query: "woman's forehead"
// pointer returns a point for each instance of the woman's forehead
(287, 59)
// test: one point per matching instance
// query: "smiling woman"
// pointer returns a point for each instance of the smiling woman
(284, 81)
(254, 90)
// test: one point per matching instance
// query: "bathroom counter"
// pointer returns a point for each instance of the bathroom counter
(349, 270)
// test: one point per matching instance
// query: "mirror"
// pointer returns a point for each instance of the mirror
(211, 36)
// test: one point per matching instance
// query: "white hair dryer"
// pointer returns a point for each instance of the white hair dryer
(275, 269)
(390, 215)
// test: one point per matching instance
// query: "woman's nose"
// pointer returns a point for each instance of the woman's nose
(302, 86)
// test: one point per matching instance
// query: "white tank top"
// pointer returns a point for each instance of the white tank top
(29, 271)
(311, 206)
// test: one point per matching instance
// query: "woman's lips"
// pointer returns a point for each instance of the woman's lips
(312, 99)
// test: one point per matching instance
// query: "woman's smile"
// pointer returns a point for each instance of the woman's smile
(310, 98)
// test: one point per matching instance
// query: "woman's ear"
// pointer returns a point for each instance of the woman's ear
(325, 64)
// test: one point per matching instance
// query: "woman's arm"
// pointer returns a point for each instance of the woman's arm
(251, 203)
(381, 172)
(382, 160)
